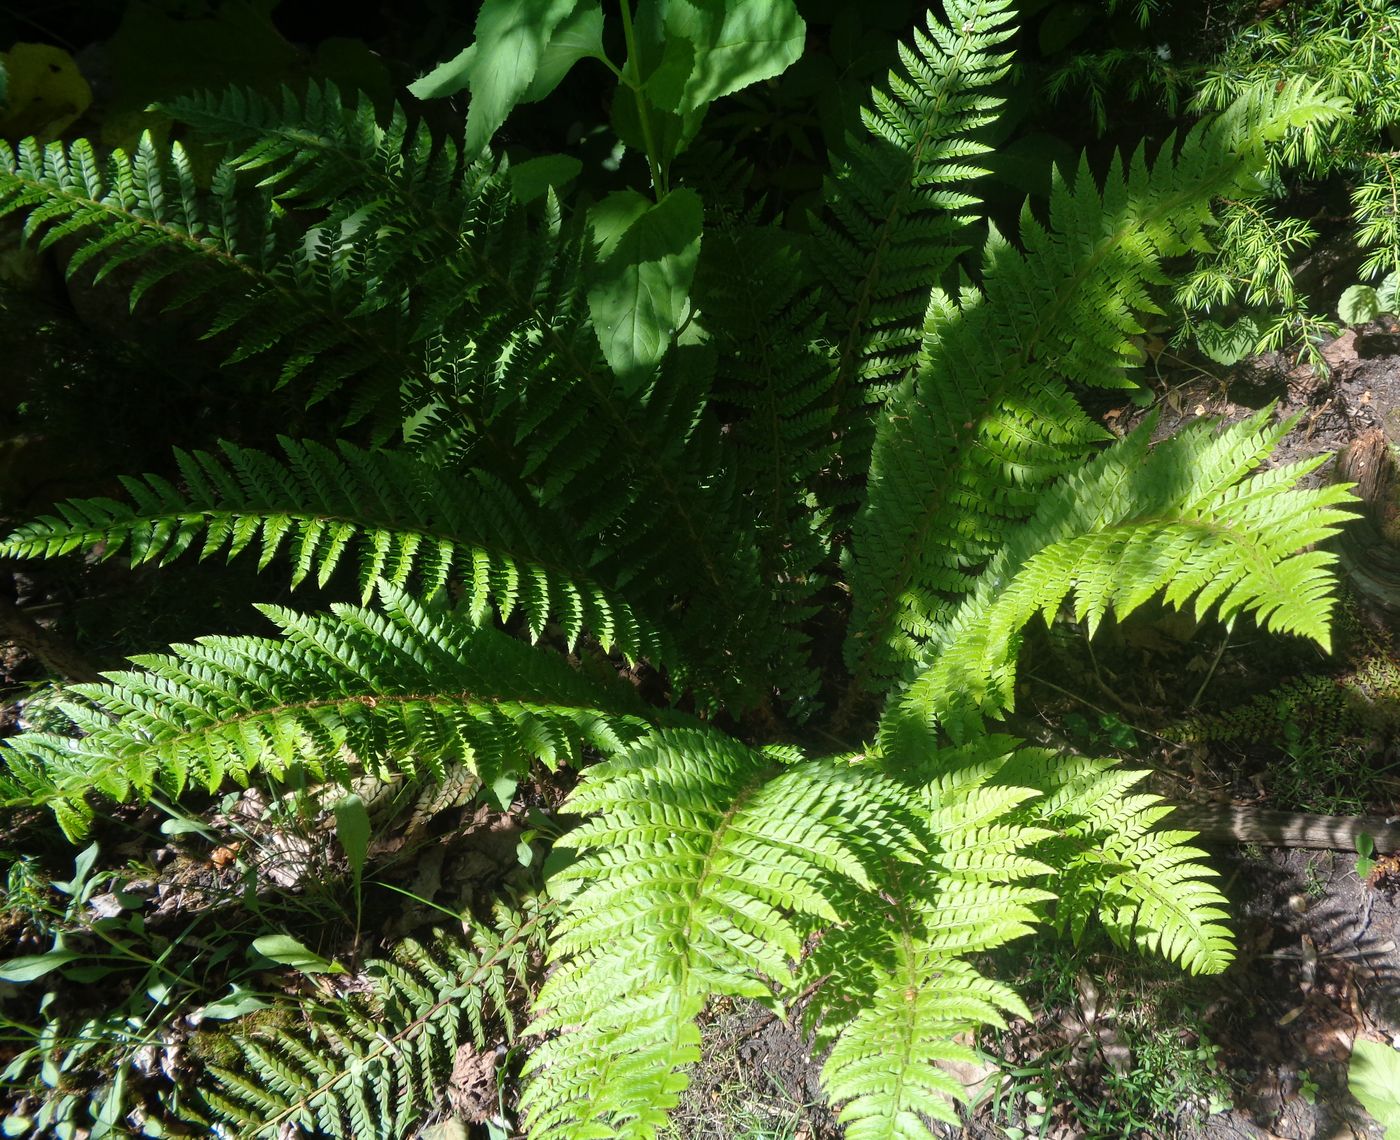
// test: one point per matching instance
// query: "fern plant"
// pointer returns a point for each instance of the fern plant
(612, 458)
(371, 1066)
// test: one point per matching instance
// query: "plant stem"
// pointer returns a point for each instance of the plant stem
(635, 83)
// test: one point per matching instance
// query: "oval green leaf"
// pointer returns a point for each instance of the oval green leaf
(640, 288)
(287, 951)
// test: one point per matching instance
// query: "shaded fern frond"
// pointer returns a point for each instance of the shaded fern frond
(396, 689)
(702, 870)
(1186, 520)
(374, 1067)
(900, 201)
(398, 517)
(278, 292)
(971, 441)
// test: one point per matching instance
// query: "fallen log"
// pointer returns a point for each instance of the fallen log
(1229, 823)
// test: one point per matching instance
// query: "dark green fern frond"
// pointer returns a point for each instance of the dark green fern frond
(399, 518)
(702, 870)
(644, 477)
(989, 420)
(398, 689)
(900, 201)
(434, 236)
(278, 291)
(489, 358)
(1186, 520)
(374, 1067)
(772, 381)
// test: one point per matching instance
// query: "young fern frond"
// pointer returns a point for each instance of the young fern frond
(401, 519)
(900, 988)
(395, 689)
(975, 436)
(702, 869)
(374, 1067)
(1183, 520)
(885, 1066)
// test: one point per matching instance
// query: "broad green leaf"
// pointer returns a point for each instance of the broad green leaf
(239, 1001)
(1374, 1079)
(1388, 292)
(287, 951)
(82, 867)
(32, 966)
(530, 179)
(638, 294)
(1229, 344)
(41, 91)
(502, 62)
(352, 829)
(503, 789)
(578, 36)
(716, 47)
(1358, 305)
(1064, 24)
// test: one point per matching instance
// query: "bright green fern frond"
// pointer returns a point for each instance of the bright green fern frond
(885, 1064)
(398, 517)
(1185, 520)
(702, 871)
(374, 1067)
(988, 421)
(1149, 888)
(399, 688)
(898, 988)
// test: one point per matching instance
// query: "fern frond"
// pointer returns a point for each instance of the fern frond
(1149, 888)
(702, 871)
(900, 201)
(374, 1067)
(492, 361)
(885, 1065)
(398, 517)
(900, 994)
(396, 689)
(1185, 520)
(989, 420)
(148, 215)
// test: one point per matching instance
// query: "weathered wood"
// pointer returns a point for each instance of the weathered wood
(1226, 823)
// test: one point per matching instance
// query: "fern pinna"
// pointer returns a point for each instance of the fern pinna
(892, 416)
